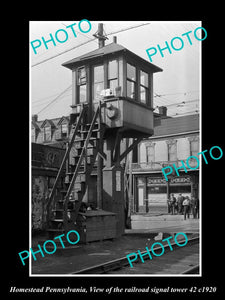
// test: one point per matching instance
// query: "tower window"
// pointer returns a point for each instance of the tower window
(82, 85)
(113, 75)
(144, 87)
(131, 81)
(98, 81)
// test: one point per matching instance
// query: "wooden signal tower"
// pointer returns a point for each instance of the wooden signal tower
(112, 100)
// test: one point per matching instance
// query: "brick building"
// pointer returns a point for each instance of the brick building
(174, 139)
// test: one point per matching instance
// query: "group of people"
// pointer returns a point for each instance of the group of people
(183, 206)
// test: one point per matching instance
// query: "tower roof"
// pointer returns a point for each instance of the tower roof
(108, 50)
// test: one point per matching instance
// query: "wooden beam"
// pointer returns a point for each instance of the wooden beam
(116, 150)
(102, 154)
(130, 148)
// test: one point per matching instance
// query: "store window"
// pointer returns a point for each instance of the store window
(144, 87)
(183, 189)
(113, 75)
(131, 81)
(82, 85)
(98, 81)
(160, 189)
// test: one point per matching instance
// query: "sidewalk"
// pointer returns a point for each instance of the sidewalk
(164, 223)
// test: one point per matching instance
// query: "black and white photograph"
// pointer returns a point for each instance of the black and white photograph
(119, 160)
(103, 129)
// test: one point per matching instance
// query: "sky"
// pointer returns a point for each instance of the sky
(179, 82)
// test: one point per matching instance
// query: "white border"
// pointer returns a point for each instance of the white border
(200, 169)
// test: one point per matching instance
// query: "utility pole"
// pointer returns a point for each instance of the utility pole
(101, 43)
(99, 34)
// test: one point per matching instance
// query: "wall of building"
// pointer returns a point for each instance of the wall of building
(46, 161)
(161, 149)
(151, 189)
(40, 192)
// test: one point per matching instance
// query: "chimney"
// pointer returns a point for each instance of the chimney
(162, 111)
(34, 118)
(114, 39)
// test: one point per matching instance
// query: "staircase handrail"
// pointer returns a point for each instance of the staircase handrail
(98, 110)
(52, 193)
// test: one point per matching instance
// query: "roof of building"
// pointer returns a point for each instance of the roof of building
(107, 50)
(54, 122)
(178, 125)
(162, 126)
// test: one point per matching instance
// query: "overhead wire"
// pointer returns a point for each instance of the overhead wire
(183, 102)
(90, 40)
(187, 113)
(84, 43)
(55, 99)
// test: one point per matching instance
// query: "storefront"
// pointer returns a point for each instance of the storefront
(151, 191)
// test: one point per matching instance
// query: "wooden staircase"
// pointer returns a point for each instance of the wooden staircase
(70, 187)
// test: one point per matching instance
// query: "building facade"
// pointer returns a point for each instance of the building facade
(174, 140)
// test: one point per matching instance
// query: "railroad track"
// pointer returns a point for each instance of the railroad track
(122, 266)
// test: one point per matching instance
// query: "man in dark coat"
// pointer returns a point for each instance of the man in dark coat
(186, 205)
(173, 202)
(180, 200)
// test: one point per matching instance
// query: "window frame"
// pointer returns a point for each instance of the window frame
(64, 134)
(171, 144)
(45, 133)
(81, 82)
(146, 88)
(98, 82)
(135, 97)
(110, 79)
(148, 149)
(196, 143)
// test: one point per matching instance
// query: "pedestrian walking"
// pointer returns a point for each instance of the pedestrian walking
(169, 205)
(194, 207)
(186, 205)
(180, 203)
(173, 202)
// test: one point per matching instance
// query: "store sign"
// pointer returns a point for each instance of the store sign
(156, 181)
(180, 180)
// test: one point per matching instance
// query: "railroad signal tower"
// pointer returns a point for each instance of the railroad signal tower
(112, 100)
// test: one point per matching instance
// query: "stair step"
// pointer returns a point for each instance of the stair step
(80, 143)
(86, 131)
(83, 140)
(79, 186)
(88, 152)
(57, 220)
(88, 159)
(80, 178)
